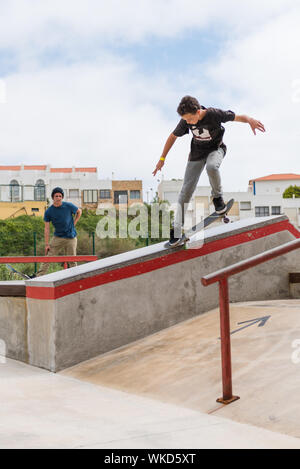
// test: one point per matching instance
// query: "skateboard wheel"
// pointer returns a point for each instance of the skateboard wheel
(226, 220)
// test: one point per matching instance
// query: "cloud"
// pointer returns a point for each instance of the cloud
(47, 23)
(257, 74)
(100, 114)
(73, 98)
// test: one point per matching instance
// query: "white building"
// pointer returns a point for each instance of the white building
(274, 184)
(263, 198)
(28, 185)
(36, 182)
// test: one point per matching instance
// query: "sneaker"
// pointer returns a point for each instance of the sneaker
(173, 242)
(220, 205)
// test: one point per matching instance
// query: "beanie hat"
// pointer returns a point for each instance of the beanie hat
(56, 190)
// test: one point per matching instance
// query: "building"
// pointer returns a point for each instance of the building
(264, 198)
(27, 189)
(274, 184)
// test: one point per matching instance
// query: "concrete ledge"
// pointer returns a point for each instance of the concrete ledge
(92, 309)
(13, 288)
(216, 233)
(71, 316)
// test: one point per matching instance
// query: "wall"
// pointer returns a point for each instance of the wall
(13, 209)
(13, 327)
(128, 186)
(274, 187)
(91, 309)
(73, 315)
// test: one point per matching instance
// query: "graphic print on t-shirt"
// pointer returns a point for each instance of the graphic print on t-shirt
(204, 135)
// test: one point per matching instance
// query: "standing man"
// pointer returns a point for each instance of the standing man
(207, 150)
(64, 217)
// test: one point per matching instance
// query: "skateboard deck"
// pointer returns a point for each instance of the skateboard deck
(17, 272)
(204, 223)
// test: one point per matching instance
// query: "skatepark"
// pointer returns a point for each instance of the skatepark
(124, 352)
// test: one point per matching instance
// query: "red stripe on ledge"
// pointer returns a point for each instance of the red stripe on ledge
(52, 293)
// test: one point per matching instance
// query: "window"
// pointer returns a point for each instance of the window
(135, 194)
(245, 205)
(120, 197)
(74, 193)
(276, 210)
(105, 194)
(14, 191)
(262, 211)
(90, 196)
(39, 190)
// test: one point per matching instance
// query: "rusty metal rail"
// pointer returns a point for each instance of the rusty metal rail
(221, 276)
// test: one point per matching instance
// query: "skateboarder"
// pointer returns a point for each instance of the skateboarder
(61, 215)
(207, 149)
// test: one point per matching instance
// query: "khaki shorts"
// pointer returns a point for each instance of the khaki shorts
(60, 246)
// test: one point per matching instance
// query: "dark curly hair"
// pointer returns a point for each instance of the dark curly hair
(188, 105)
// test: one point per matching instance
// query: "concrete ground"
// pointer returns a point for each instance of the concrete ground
(160, 392)
(181, 365)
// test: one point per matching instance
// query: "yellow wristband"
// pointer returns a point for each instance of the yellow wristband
(162, 159)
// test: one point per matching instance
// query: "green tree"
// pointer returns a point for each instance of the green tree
(16, 235)
(88, 221)
(291, 191)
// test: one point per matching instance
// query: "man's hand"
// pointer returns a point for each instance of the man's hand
(256, 125)
(158, 167)
(168, 145)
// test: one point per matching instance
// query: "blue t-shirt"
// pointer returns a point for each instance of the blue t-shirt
(62, 219)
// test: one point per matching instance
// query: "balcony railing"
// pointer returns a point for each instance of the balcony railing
(22, 193)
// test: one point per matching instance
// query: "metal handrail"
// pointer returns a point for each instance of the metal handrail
(221, 276)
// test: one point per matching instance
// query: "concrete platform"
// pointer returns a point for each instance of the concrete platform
(159, 391)
(45, 410)
(78, 314)
(181, 366)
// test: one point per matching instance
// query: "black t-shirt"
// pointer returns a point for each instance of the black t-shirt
(207, 133)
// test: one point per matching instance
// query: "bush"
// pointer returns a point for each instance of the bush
(17, 239)
(291, 191)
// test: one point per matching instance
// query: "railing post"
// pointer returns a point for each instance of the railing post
(34, 250)
(93, 238)
(225, 344)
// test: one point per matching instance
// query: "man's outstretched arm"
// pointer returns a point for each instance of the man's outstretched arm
(254, 123)
(168, 145)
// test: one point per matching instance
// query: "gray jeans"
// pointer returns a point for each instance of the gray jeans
(191, 178)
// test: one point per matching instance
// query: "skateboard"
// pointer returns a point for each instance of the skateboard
(17, 272)
(203, 224)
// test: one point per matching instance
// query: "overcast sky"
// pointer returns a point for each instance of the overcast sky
(97, 83)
